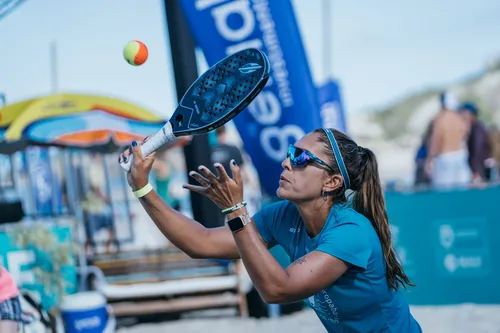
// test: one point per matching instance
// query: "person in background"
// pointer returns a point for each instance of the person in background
(164, 169)
(10, 306)
(478, 144)
(494, 135)
(446, 162)
(162, 181)
(223, 153)
(98, 215)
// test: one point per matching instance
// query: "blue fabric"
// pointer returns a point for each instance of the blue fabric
(360, 300)
(10, 309)
(422, 152)
(332, 105)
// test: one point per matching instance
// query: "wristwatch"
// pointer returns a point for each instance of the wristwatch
(239, 222)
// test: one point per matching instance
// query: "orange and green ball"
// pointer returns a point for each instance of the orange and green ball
(135, 53)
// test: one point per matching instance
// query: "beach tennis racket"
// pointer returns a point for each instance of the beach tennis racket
(216, 97)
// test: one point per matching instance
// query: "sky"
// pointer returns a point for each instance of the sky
(381, 51)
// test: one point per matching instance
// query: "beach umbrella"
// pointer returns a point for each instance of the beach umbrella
(75, 120)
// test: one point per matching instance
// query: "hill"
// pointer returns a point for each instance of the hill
(394, 132)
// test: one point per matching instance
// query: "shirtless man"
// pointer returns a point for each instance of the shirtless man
(447, 159)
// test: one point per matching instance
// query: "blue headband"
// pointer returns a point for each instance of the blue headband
(338, 157)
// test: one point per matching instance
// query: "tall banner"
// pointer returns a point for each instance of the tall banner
(288, 107)
(331, 106)
(38, 167)
(7, 6)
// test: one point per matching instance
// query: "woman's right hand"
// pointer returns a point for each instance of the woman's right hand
(138, 175)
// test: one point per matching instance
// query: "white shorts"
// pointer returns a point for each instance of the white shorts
(451, 169)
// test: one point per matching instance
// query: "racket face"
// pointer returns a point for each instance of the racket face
(222, 92)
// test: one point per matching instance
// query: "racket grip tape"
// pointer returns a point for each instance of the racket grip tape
(156, 141)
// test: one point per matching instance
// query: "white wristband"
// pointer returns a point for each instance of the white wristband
(143, 191)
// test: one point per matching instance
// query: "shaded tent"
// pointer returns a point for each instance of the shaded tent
(73, 120)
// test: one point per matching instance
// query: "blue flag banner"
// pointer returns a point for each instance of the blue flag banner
(7, 6)
(288, 106)
(46, 190)
(332, 108)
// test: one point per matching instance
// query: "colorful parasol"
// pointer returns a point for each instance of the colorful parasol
(72, 120)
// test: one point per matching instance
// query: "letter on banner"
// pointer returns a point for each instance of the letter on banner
(288, 106)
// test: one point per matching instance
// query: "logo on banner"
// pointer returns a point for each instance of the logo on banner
(249, 68)
(287, 107)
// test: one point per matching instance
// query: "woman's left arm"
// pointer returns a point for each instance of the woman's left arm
(304, 277)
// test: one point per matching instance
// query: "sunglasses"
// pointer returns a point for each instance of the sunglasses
(301, 158)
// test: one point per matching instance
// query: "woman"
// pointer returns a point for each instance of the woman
(343, 265)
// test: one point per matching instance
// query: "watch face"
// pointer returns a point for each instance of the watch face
(235, 224)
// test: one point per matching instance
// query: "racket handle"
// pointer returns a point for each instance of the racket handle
(159, 139)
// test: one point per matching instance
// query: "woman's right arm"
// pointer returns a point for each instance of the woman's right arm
(188, 235)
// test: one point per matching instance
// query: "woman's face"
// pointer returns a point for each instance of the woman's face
(302, 184)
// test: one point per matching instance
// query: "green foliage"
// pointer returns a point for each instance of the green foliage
(394, 119)
(51, 256)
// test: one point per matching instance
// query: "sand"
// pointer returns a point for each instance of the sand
(466, 318)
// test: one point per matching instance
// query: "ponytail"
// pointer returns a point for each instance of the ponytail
(359, 170)
(369, 201)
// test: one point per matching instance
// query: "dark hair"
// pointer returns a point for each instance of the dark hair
(368, 199)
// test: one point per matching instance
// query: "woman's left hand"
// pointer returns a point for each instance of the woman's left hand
(223, 190)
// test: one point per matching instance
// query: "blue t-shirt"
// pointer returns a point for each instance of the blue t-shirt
(360, 300)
